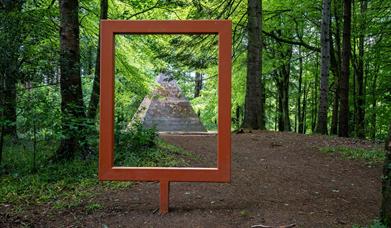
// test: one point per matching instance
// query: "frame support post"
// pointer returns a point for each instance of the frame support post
(164, 196)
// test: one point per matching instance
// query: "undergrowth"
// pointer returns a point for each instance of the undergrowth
(65, 185)
(375, 224)
(370, 156)
(136, 147)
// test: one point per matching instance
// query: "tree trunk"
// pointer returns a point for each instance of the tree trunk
(344, 86)
(10, 99)
(283, 93)
(360, 111)
(72, 106)
(280, 111)
(1, 143)
(253, 112)
(385, 213)
(324, 68)
(303, 127)
(336, 66)
(198, 84)
(1, 122)
(238, 117)
(89, 68)
(10, 70)
(94, 99)
(277, 114)
(299, 110)
(374, 101)
(314, 98)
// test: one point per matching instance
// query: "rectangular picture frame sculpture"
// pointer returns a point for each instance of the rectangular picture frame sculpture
(165, 175)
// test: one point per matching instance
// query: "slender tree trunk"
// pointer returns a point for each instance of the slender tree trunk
(72, 106)
(280, 92)
(299, 110)
(314, 110)
(1, 122)
(385, 213)
(280, 109)
(324, 68)
(238, 116)
(94, 99)
(304, 113)
(10, 101)
(253, 113)
(90, 61)
(374, 101)
(1, 143)
(360, 112)
(277, 113)
(198, 84)
(283, 94)
(344, 86)
(353, 59)
(336, 66)
(334, 118)
(10, 70)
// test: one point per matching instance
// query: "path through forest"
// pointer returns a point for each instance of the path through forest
(277, 178)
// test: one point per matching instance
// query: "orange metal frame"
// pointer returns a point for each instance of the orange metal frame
(107, 170)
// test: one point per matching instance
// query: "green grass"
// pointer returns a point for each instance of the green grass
(68, 184)
(64, 185)
(375, 224)
(161, 155)
(92, 207)
(370, 156)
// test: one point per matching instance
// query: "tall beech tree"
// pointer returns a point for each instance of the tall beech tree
(300, 110)
(324, 68)
(359, 69)
(72, 106)
(385, 213)
(254, 105)
(282, 78)
(345, 70)
(335, 62)
(11, 40)
(94, 98)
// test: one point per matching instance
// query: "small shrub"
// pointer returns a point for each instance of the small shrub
(135, 138)
(69, 184)
(140, 146)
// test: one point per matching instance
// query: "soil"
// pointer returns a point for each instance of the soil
(277, 179)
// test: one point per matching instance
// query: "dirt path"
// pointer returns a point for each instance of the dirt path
(277, 178)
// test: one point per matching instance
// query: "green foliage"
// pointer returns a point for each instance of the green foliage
(139, 146)
(18, 158)
(370, 156)
(135, 138)
(69, 184)
(29, 48)
(375, 224)
(63, 184)
(92, 207)
(43, 114)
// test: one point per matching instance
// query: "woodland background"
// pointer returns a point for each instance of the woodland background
(301, 66)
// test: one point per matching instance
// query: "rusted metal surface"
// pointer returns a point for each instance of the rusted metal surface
(107, 170)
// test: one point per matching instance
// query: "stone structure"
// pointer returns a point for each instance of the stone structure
(167, 109)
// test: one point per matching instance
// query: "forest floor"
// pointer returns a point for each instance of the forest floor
(277, 179)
